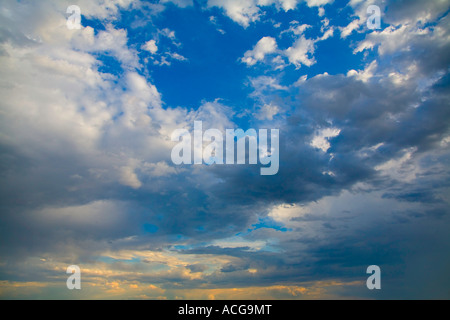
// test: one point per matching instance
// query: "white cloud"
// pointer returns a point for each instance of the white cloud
(177, 56)
(267, 112)
(320, 140)
(166, 32)
(265, 46)
(300, 81)
(318, 3)
(366, 74)
(111, 41)
(107, 10)
(262, 83)
(245, 12)
(393, 39)
(214, 115)
(403, 168)
(289, 4)
(352, 26)
(140, 88)
(296, 28)
(321, 12)
(239, 242)
(129, 178)
(301, 52)
(241, 11)
(150, 46)
(328, 34)
(163, 56)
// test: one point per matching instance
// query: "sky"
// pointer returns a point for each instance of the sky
(87, 179)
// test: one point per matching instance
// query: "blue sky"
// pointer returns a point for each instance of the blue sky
(86, 118)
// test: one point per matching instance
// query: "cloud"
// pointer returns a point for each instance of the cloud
(318, 3)
(289, 4)
(109, 10)
(267, 112)
(262, 84)
(265, 46)
(177, 56)
(162, 48)
(150, 46)
(415, 11)
(85, 160)
(360, 16)
(297, 29)
(301, 52)
(129, 178)
(320, 141)
(243, 12)
(348, 30)
(111, 41)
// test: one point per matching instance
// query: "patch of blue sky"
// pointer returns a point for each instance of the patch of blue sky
(111, 260)
(213, 44)
(182, 247)
(96, 24)
(269, 223)
(212, 69)
(109, 64)
(265, 223)
(150, 228)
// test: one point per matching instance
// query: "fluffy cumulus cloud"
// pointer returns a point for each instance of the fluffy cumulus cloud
(301, 51)
(265, 46)
(86, 119)
(245, 12)
(150, 46)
